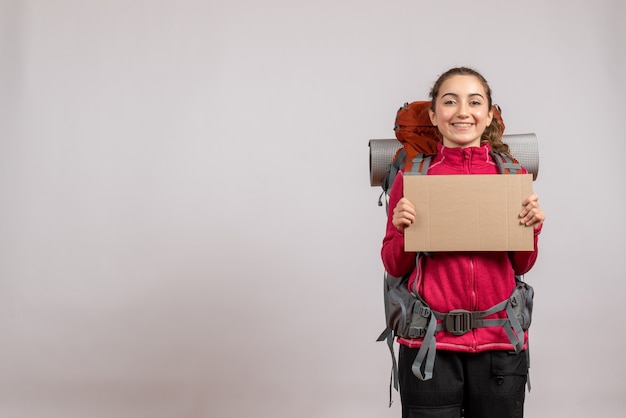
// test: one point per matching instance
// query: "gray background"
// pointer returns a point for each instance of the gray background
(187, 227)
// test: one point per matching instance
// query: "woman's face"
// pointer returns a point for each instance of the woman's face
(462, 111)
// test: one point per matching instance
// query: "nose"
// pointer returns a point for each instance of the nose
(463, 110)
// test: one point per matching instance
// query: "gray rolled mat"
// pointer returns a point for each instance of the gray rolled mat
(524, 147)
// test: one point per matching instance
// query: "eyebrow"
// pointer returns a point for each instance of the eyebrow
(456, 95)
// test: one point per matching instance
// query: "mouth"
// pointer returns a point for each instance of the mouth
(462, 125)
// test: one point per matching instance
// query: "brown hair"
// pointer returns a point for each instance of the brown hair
(493, 132)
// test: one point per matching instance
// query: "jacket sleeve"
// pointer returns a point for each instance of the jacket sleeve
(397, 262)
(523, 261)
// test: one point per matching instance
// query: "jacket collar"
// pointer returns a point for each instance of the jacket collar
(458, 154)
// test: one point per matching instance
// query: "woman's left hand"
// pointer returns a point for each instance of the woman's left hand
(532, 215)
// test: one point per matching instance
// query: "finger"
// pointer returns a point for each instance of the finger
(531, 198)
(407, 217)
(403, 219)
(405, 210)
(401, 223)
(529, 205)
(533, 217)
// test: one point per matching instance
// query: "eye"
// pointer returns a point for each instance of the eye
(449, 102)
(475, 102)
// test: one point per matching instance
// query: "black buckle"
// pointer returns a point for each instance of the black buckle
(459, 321)
(417, 332)
(424, 311)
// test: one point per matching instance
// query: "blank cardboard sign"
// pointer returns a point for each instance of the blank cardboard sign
(468, 213)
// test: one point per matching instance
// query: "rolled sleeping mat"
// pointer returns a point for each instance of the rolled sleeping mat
(524, 147)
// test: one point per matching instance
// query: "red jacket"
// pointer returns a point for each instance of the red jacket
(473, 281)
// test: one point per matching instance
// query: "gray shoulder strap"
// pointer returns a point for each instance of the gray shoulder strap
(506, 165)
(392, 171)
(419, 165)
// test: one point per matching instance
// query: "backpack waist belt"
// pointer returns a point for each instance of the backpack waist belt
(459, 322)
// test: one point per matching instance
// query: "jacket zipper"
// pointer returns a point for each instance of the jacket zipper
(472, 276)
(466, 161)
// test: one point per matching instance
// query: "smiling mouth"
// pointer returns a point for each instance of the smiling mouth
(462, 125)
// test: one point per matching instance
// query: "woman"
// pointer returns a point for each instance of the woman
(478, 373)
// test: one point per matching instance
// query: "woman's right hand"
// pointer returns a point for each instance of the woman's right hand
(403, 214)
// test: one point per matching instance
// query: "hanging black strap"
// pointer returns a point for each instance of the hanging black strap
(388, 336)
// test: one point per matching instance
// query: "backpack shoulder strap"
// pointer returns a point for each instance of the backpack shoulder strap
(506, 164)
(419, 165)
(392, 171)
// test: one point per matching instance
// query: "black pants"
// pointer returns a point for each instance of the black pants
(484, 385)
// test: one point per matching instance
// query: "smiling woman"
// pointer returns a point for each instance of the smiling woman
(476, 371)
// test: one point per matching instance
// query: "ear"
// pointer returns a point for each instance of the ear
(433, 117)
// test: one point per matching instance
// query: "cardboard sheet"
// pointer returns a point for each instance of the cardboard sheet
(468, 213)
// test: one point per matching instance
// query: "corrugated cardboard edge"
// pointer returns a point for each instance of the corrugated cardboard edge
(468, 213)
